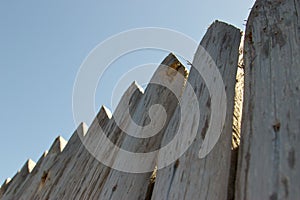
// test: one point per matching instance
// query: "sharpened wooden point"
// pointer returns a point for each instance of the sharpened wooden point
(169, 68)
(6, 182)
(172, 61)
(105, 111)
(82, 129)
(4, 186)
(27, 167)
(58, 145)
(135, 85)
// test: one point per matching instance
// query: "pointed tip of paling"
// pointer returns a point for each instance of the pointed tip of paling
(169, 67)
(4, 186)
(82, 129)
(220, 23)
(103, 115)
(58, 145)
(133, 87)
(30, 164)
(170, 59)
(45, 153)
(7, 181)
(27, 167)
(105, 111)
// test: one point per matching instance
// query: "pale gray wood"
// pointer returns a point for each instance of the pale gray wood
(90, 179)
(121, 185)
(190, 177)
(74, 173)
(4, 186)
(17, 181)
(48, 170)
(268, 166)
(78, 175)
(40, 175)
(63, 174)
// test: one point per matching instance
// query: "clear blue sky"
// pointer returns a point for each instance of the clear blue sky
(43, 43)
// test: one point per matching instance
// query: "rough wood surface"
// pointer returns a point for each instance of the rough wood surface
(268, 146)
(46, 172)
(4, 186)
(73, 172)
(18, 180)
(268, 166)
(190, 177)
(122, 185)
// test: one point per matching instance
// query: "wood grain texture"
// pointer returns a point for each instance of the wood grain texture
(190, 177)
(17, 181)
(48, 170)
(122, 185)
(74, 173)
(268, 166)
(4, 186)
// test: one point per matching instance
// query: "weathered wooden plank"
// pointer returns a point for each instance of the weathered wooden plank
(79, 170)
(90, 179)
(61, 171)
(76, 173)
(4, 186)
(48, 169)
(18, 180)
(73, 172)
(190, 177)
(41, 176)
(122, 185)
(268, 166)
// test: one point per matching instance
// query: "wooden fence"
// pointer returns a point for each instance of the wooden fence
(256, 156)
